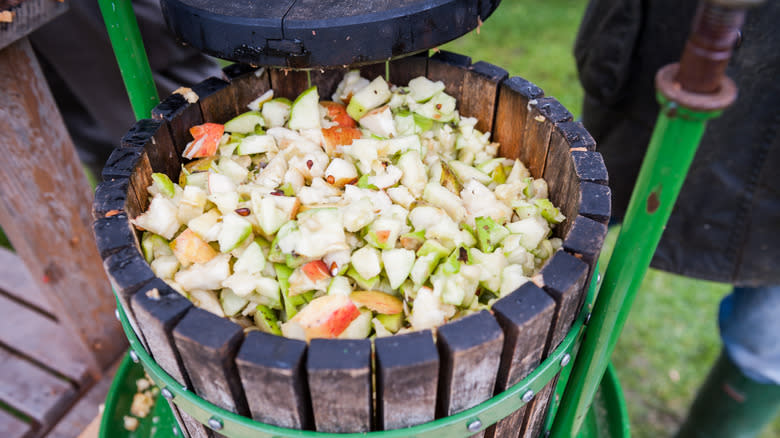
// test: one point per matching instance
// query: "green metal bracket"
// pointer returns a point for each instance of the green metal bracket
(463, 424)
(130, 54)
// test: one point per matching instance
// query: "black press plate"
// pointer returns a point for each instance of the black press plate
(320, 33)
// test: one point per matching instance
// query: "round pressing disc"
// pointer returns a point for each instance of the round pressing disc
(320, 33)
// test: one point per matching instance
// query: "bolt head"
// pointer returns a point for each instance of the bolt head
(528, 396)
(565, 359)
(175, 430)
(134, 356)
(215, 423)
(116, 314)
(474, 426)
(166, 393)
(587, 318)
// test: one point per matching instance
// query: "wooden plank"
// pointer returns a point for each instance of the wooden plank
(525, 316)
(407, 375)
(155, 138)
(577, 136)
(208, 345)
(451, 69)
(562, 182)
(589, 166)
(288, 83)
(327, 81)
(16, 282)
(110, 197)
(28, 16)
(339, 376)
(248, 83)
(217, 100)
(480, 92)
(32, 391)
(563, 277)
(470, 353)
(113, 234)
(157, 314)
(543, 114)
(403, 70)
(130, 163)
(45, 207)
(128, 271)
(537, 411)
(12, 427)
(595, 202)
(272, 370)
(41, 339)
(511, 114)
(179, 115)
(585, 241)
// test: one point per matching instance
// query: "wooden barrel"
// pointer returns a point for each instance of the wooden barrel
(330, 385)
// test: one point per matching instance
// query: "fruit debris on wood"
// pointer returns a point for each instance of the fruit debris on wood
(380, 211)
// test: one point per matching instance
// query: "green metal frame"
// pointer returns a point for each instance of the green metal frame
(486, 413)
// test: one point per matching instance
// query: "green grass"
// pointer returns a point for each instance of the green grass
(671, 336)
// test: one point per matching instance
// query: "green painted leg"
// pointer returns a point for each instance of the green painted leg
(729, 405)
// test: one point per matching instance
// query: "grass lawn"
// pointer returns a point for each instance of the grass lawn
(671, 337)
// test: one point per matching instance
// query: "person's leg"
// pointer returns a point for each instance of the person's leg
(742, 392)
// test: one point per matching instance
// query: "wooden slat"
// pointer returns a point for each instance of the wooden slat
(272, 370)
(110, 197)
(247, 83)
(45, 207)
(480, 92)
(130, 163)
(208, 345)
(511, 114)
(217, 100)
(407, 375)
(577, 136)
(12, 427)
(470, 353)
(288, 83)
(180, 116)
(33, 391)
(525, 316)
(16, 282)
(589, 166)
(595, 201)
(404, 69)
(371, 71)
(327, 81)
(537, 411)
(155, 138)
(562, 182)
(128, 271)
(544, 113)
(28, 16)
(443, 66)
(584, 241)
(41, 339)
(113, 234)
(157, 314)
(339, 376)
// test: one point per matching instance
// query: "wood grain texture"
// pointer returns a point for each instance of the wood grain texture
(526, 317)
(589, 166)
(449, 68)
(470, 353)
(407, 375)
(272, 370)
(133, 164)
(402, 70)
(110, 197)
(562, 181)
(12, 427)
(155, 138)
(17, 283)
(327, 81)
(536, 411)
(32, 391)
(216, 99)
(28, 16)
(41, 339)
(480, 92)
(543, 114)
(563, 278)
(288, 83)
(339, 375)
(576, 135)
(247, 83)
(114, 233)
(179, 115)
(595, 201)
(514, 94)
(208, 345)
(45, 207)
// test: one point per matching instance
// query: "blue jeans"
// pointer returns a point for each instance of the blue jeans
(749, 321)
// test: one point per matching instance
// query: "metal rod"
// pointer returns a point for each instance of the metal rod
(130, 55)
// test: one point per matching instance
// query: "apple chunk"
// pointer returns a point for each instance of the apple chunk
(377, 301)
(325, 317)
(189, 248)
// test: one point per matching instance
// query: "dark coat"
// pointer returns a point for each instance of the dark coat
(726, 223)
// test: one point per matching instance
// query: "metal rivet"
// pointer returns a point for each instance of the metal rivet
(134, 356)
(474, 426)
(215, 423)
(166, 393)
(565, 359)
(175, 430)
(598, 278)
(528, 396)
(587, 318)
(116, 314)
